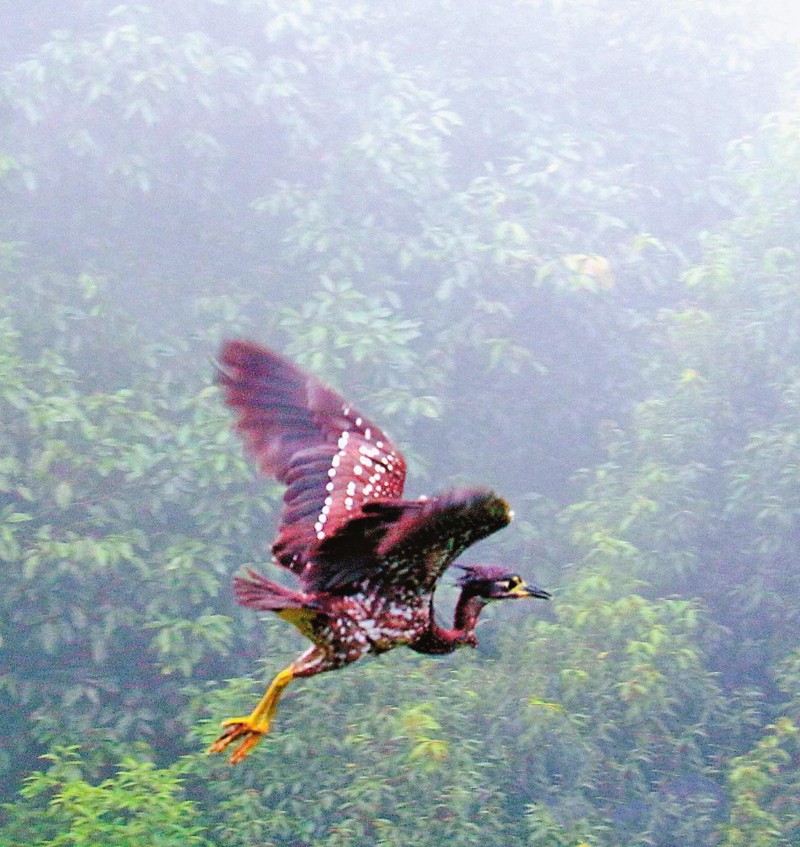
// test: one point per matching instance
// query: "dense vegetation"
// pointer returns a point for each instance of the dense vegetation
(553, 247)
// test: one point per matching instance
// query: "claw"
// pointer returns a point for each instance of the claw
(235, 729)
(252, 728)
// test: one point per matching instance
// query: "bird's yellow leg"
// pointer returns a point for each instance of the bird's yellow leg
(251, 729)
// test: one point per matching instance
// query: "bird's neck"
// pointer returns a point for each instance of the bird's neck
(439, 639)
(468, 610)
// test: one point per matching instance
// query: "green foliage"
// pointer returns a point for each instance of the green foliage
(764, 787)
(102, 487)
(139, 805)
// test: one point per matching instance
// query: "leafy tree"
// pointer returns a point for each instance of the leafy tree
(139, 805)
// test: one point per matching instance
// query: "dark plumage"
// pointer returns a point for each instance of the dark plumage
(367, 562)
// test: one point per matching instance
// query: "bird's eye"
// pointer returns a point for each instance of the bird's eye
(514, 581)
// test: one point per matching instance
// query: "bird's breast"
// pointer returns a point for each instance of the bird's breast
(384, 622)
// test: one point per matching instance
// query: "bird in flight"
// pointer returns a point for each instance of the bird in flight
(367, 561)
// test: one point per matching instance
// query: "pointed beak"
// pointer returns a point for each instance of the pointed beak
(523, 590)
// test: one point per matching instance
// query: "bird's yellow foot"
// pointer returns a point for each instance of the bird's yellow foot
(252, 728)
(239, 728)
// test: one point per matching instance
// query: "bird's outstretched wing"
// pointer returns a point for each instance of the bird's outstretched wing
(331, 458)
(407, 544)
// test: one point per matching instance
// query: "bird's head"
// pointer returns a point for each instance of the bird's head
(492, 582)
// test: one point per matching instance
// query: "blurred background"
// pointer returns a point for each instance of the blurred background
(552, 247)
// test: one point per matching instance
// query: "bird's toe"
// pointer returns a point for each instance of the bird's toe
(237, 729)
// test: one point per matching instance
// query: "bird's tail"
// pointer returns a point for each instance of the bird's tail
(257, 592)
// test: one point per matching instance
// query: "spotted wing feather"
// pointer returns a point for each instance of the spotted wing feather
(408, 544)
(331, 458)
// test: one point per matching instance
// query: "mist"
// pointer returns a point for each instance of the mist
(551, 247)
